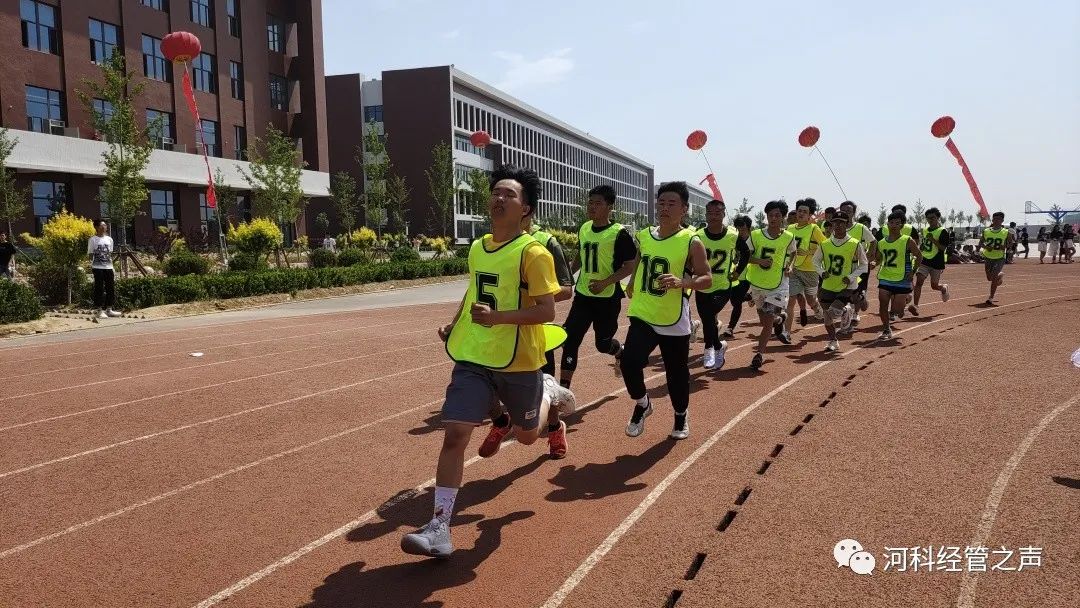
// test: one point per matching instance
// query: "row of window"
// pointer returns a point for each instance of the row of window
(48, 197)
(45, 108)
(40, 31)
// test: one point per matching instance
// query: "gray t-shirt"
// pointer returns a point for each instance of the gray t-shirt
(100, 249)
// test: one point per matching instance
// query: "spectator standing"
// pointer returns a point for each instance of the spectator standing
(100, 250)
(7, 257)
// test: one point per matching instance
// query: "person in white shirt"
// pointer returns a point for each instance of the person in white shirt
(329, 243)
(841, 259)
(100, 250)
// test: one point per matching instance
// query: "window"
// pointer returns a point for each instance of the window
(202, 73)
(43, 106)
(236, 79)
(103, 41)
(161, 5)
(372, 113)
(161, 127)
(209, 130)
(240, 138)
(103, 110)
(154, 63)
(49, 198)
(200, 12)
(275, 34)
(162, 209)
(232, 9)
(39, 27)
(244, 204)
(279, 93)
(206, 212)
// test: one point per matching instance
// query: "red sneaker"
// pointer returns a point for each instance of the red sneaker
(557, 442)
(494, 440)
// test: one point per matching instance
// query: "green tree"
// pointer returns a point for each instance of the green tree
(13, 199)
(759, 219)
(124, 188)
(480, 190)
(343, 195)
(274, 177)
(322, 224)
(441, 186)
(373, 157)
(579, 212)
(883, 216)
(745, 207)
(397, 203)
(227, 205)
(919, 217)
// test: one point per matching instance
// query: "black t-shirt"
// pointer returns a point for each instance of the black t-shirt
(562, 269)
(7, 251)
(938, 261)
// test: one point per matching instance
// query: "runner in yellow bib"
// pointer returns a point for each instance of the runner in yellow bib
(722, 247)
(993, 243)
(841, 260)
(898, 255)
(804, 277)
(772, 250)
(497, 343)
(865, 235)
(671, 260)
(933, 242)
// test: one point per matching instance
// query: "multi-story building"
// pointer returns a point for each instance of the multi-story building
(261, 64)
(418, 108)
(698, 199)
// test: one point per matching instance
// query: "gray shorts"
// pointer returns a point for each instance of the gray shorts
(994, 267)
(474, 390)
(804, 282)
(924, 270)
(771, 301)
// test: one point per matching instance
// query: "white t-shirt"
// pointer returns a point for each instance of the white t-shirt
(101, 249)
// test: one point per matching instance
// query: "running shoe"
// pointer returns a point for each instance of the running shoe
(433, 540)
(557, 442)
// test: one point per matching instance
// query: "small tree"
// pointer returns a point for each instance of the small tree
(883, 216)
(274, 178)
(63, 242)
(745, 207)
(579, 203)
(397, 201)
(441, 186)
(13, 200)
(373, 158)
(227, 206)
(124, 189)
(322, 224)
(920, 214)
(343, 195)
(480, 183)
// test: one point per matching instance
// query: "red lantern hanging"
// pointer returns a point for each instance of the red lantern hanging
(480, 138)
(696, 140)
(943, 127)
(180, 47)
(809, 137)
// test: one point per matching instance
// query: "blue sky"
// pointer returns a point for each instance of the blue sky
(872, 76)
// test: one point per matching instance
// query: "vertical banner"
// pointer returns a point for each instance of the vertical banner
(968, 176)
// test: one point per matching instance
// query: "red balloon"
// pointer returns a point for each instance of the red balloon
(809, 137)
(180, 46)
(943, 126)
(480, 138)
(696, 140)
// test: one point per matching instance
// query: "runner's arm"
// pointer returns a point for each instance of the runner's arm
(862, 264)
(699, 266)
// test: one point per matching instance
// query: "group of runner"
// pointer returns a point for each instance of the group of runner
(505, 371)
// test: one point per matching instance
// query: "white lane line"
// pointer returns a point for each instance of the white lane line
(211, 421)
(594, 558)
(216, 384)
(288, 559)
(969, 581)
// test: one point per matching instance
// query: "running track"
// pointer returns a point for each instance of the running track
(282, 466)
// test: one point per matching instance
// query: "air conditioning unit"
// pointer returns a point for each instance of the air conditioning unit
(167, 141)
(56, 127)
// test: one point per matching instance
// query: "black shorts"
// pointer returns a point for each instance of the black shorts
(896, 290)
(827, 297)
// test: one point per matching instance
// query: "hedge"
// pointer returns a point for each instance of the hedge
(18, 303)
(142, 292)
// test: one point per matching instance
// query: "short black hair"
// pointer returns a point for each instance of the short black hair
(896, 215)
(529, 180)
(853, 206)
(605, 191)
(742, 221)
(830, 210)
(1012, 224)
(902, 208)
(679, 188)
(864, 220)
(714, 202)
(809, 203)
(933, 211)
(780, 206)
(1001, 213)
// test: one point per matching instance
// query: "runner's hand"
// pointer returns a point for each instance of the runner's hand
(669, 281)
(596, 286)
(444, 332)
(482, 314)
(765, 263)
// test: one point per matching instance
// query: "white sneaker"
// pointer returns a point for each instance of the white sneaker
(710, 358)
(103, 315)
(818, 312)
(885, 335)
(846, 319)
(832, 346)
(720, 352)
(634, 429)
(562, 398)
(683, 432)
(944, 292)
(433, 540)
(695, 327)
(113, 313)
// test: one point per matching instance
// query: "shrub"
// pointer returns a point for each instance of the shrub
(50, 281)
(363, 238)
(183, 262)
(462, 253)
(259, 237)
(18, 303)
(162, 242)
(568, 240)
(63, 242)
(247, 262)
(351, 256)
(322, 258)
(404, 254)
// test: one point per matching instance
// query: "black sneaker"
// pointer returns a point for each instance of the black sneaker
(802, 317)
(778, 324)
(784, 337)
(681, 428)
(757, 362)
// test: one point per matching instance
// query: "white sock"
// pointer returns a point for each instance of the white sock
(444, 503)
(643, 402)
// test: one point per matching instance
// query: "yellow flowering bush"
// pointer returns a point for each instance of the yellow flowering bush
(362, 238)
(257, 238)
(63, 239)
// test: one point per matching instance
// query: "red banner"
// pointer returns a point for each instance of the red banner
(967, 175)
(712, 186)
(189, 95)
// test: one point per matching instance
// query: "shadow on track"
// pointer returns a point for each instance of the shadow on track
(594, 481)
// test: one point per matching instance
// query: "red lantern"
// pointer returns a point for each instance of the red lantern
(696, 140)
(809, 137)
(180, 46)
(480, 138)
(943, 126)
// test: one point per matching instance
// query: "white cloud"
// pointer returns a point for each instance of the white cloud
(522, 73)
(452, 34)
